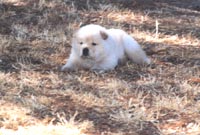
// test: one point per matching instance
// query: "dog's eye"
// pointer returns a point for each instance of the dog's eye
(94, 44)
(81, 43)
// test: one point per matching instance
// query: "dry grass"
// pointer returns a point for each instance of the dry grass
(36, 98)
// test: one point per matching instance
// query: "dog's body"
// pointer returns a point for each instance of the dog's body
(97, 48)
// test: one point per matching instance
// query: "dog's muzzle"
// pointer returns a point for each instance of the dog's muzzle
(85, 52)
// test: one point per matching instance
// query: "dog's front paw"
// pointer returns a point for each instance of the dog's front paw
(67, 68)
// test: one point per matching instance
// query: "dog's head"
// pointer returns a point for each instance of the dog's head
(89, 41)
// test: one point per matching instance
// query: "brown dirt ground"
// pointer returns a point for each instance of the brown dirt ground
(162, 98)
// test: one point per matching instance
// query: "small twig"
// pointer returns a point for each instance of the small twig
(157, 28)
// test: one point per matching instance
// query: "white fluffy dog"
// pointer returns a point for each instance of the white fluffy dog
(97, 48)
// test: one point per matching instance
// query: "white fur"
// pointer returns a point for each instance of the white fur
(107, 53)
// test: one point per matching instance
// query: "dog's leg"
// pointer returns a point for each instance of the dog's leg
(134, 51)
(71, 65)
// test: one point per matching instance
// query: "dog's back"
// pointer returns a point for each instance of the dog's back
(129, 46)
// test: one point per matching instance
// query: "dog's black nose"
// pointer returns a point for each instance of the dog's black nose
(85, 52)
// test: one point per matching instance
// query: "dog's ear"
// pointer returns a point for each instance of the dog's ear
(104, 35)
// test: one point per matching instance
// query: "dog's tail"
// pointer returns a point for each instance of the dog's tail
(134, 51)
